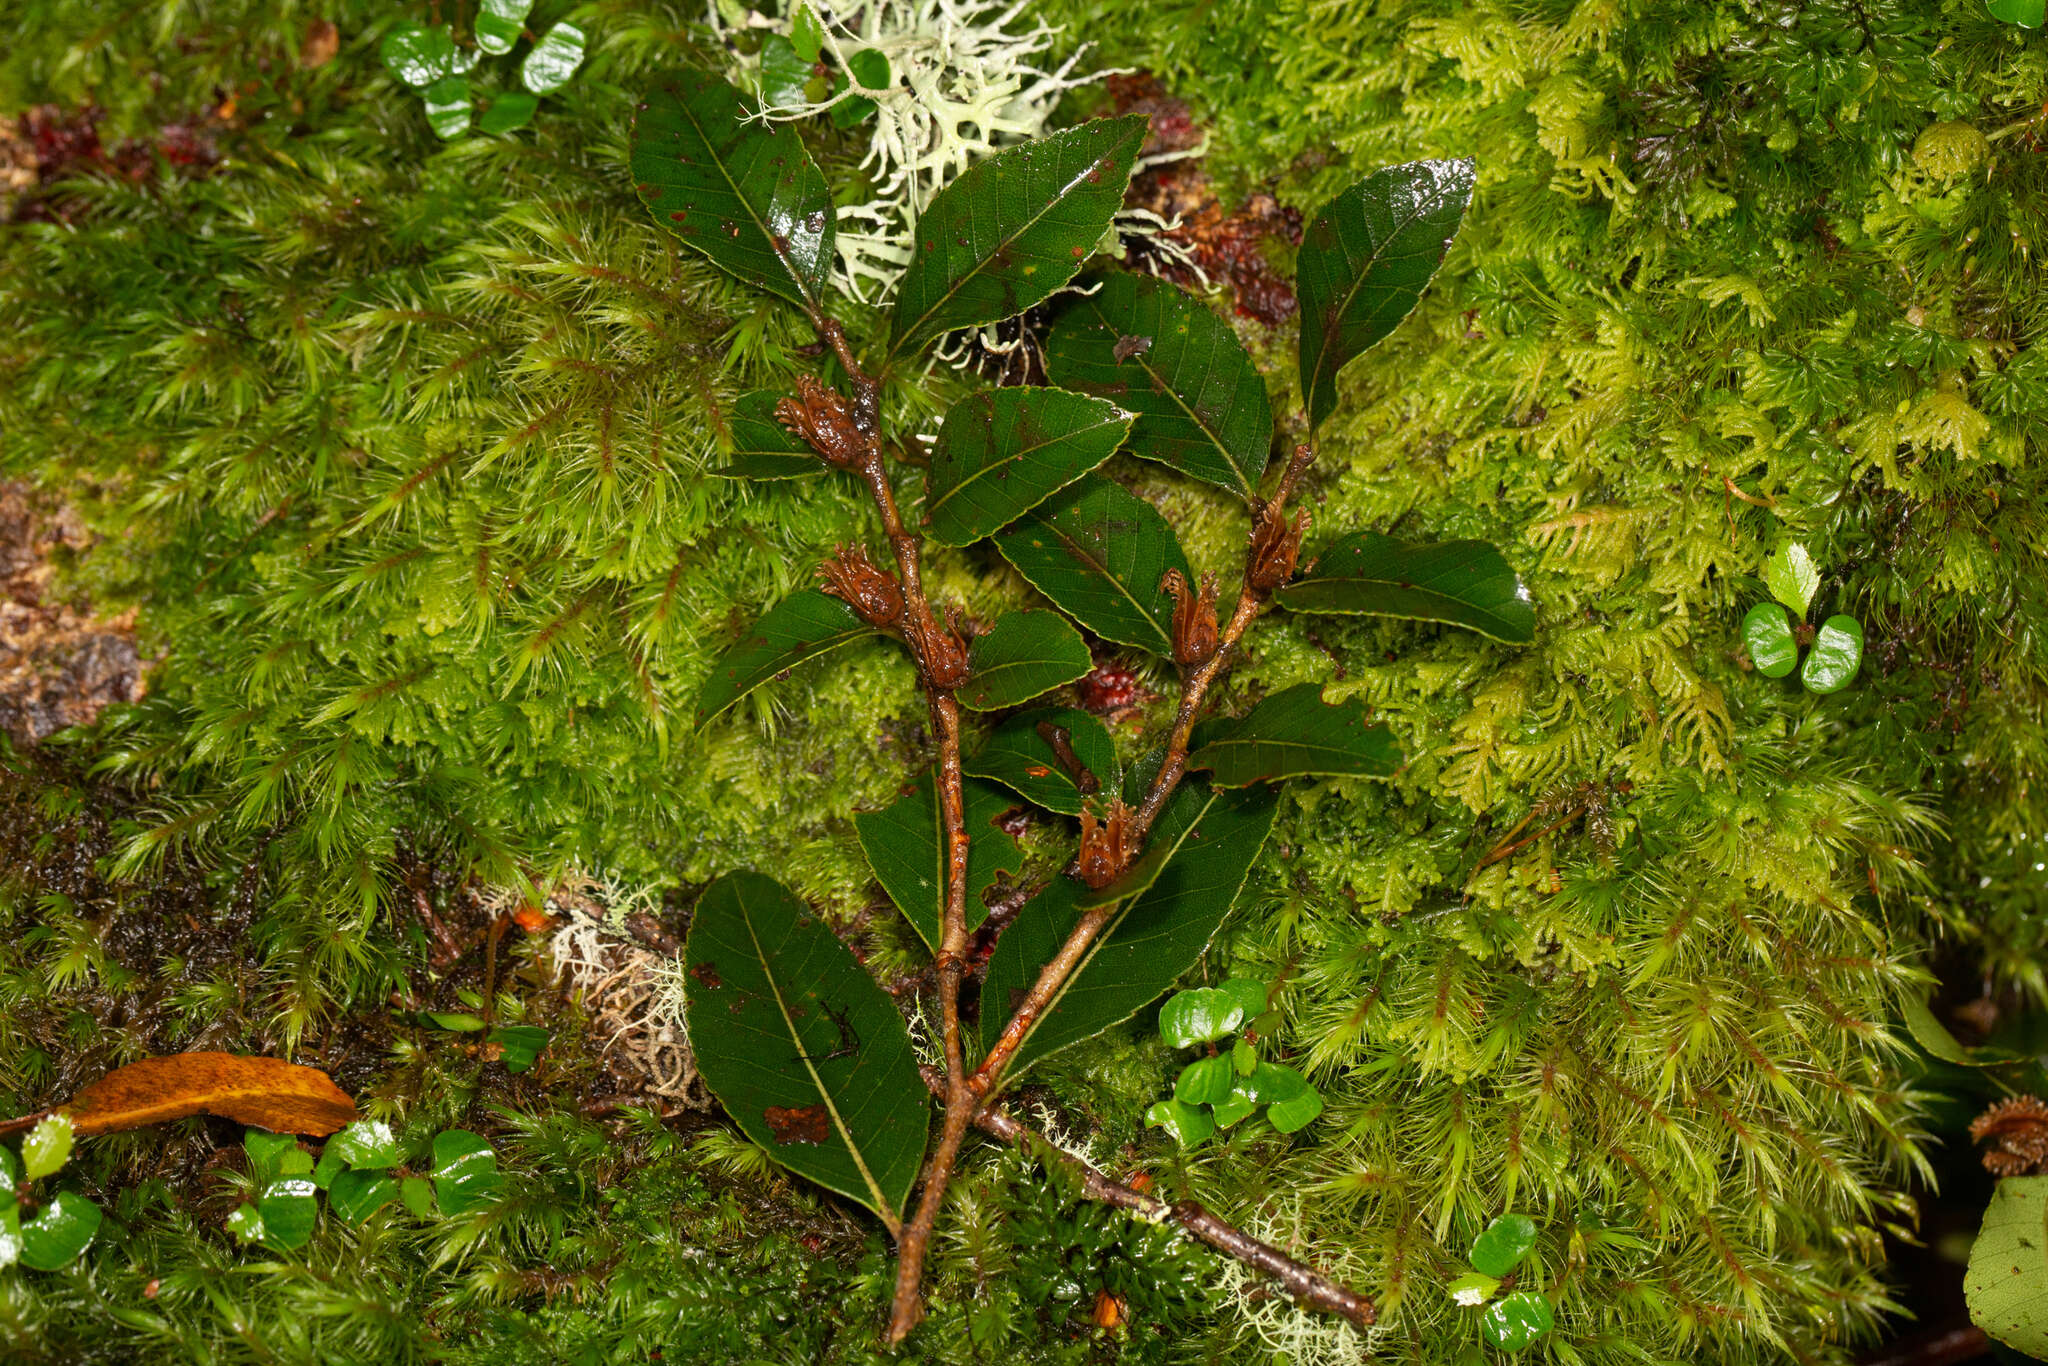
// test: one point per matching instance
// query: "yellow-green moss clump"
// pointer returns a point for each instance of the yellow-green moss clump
(401, 449)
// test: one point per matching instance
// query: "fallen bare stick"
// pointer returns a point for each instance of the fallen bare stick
(1309, 1288)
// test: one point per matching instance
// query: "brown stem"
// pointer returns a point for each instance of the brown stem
(1309, 1287)
(928, 642)
(1196, 682)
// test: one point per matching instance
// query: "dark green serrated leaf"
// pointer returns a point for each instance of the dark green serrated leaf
(465, 1171)
(808, 1055)
(1460, 583)
(356, 1195)
(1365, 260)
(1151, 347)
(905, 844)
(802, 626)
(499, 24)
(1014, 228)
(1021, 755)
(1836, 655)
(1295, 734)
(760, 447)
(290, 1208)
(1767, 635)
(1199, 1015)
(1002, 452)
(1148, 943)
(509, 111)
(749, 197)
(1098, 551)
(1516, 1320)
(448, 106)
(60, 1231)
(1022, 655)
(418, 55)
(1504, 1243)
(554, 59)
(1205, 1081)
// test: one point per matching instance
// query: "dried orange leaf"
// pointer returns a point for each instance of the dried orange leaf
(268, 1093)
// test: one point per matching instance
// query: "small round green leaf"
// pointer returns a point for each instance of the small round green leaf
(289, 1209)
(448, 106)
(1791, 576)
(1023, 655)
(510, 110)
(1188, 1124)
(60, 1231)
(1505, 1242)
(417, 1196)
(1836, 655)
(1767, 635)
(47, 1147)
(2025, 13)
(356, 1195)
(465, 1171)
(1205, 1081)
(418, 55)
(1295, 1113)
(1199, 1015)
(245, 1223)
(1250, 995)
(10, 1171)
(1244, 1058)
(1514, 1321)
(1472, 1288)
(870, 68)
(1277, 1082)
(10, 1230)
(499, 24)
(1232, 1111)
(554, 59)
(367, 1143)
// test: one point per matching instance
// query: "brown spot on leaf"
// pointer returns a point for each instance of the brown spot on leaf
(1126, 347)
(798, 1124)
(707, 973)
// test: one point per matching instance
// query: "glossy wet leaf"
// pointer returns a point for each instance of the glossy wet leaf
(1149, 942)
(10, 1172)
(905, 845)
(1154, 349)
(47, 1147)
(499, 24)
(356, 1195)
(1023, 655)
(1791, 576)
(1767, 635)
(746, 195)
(1003, 451)
(2006, 1284)
(760, 447)
(1233, 1111)
(509, 110)
(59, 1232)
(784, 1018)
(1461, 583)
(1013, 228)
(448, 106)
(1276, 1083)
(1249, 994)
(1188, 1124)
(802, 626)
(1835, 656)
(274, 1156)
(1472, 1288)
(245, 1223)
(1294, 734)
(1098, 551)
(1244, 1058)
(2025, 13)
(784, 73)
(290, 1208)
(1023, 755)
(10, 1229)
(465, 1171)
(266, 1093)
(1199, 1015)
(1505, 1242)
(1294, 1114)
(1365, 260)
(419, 56)
(1516, 1320)
(806, 33)
(1205, 1081)
(519, 1046)
(554, 59)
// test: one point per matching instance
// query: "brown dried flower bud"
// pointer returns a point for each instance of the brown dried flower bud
(874, 593)
(942, 650)
(1103, 845)
(1276, 546)
(1194, 617)
(2018, 1129)
(820, 415)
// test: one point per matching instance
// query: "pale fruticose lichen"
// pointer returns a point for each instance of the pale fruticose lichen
(967, 77)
